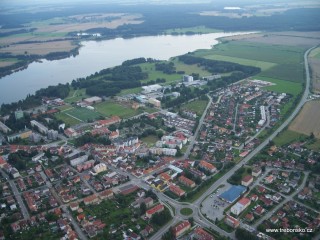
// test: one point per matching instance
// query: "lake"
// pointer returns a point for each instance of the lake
(96, 55)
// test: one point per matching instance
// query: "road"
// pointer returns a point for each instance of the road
(193, 138)
(17, 195)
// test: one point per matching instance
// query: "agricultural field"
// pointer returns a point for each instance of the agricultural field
(7, 62)
(243, 61)
(42, 48)
(197, 106)
(115, 109)
(307, 121)
(314, 60)
(275, 60)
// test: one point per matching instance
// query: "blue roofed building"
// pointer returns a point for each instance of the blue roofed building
(233, 193)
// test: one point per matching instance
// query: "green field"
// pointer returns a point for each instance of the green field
(282, 86)
(275, 61)
(153, 74)
(130, 91)
(150, 140)
(243, 61)
(198, 29)
(289, 72)
(83, 114)
(315, 53)
(67, 119)
(186, 211)
(256, 51)
(76, 95)
(197, 106)
(189, 69)
(114, 109)
(287, 137)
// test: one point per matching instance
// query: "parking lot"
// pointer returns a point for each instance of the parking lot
(213, 206)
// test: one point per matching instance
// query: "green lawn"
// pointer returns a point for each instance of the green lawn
(287, 137)
(315, 146)
(186, 211)
(189, 69)
(110, 108)
(130, 91)
(150, 140)
(153, 74)
(76, 95)
(243, 61)
(197, 106)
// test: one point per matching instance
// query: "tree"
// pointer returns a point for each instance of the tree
(143, 208)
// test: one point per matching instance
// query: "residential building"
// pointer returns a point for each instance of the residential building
(92, 199)
(187, 182)
(256, 171)
(156, 209)
(200, 234)
(40, 127)
(18, 114)
(76, 161)
(26, 133)
(181, 228)
(247, 180)
(106, 194)
(154, 102)
(231, 221)
(101, 167)
(241, 205)
(4, 128)
(2, 162)
(207, 166)
(177, 190)
(107, 122)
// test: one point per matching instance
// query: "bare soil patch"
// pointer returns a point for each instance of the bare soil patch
(6, 63)
(39, 48)
(307, 121)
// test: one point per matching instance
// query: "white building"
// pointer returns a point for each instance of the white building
(154, 102)
(41, 128)
(241, 205)
(101, 167)
(187, 78)
(151, 88)
(78, 160)
(4, 128)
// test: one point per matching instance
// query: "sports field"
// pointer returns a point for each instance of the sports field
(111, 108)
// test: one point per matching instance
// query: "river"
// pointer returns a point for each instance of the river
(96, 55)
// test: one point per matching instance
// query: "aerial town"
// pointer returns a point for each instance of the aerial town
(164, 173)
